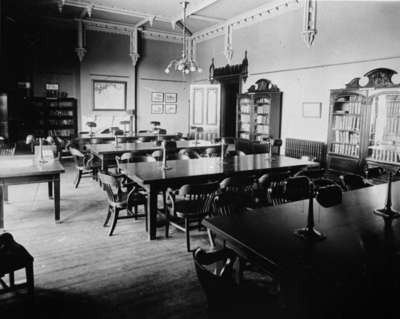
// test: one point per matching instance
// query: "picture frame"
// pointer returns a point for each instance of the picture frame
(312, 109)
(157, 97)
(52, 90)
(171, 97)
(109, 95)
(157, 108)
(170, 108)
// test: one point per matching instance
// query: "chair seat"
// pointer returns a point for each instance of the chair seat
(13, 256)
(135, 199)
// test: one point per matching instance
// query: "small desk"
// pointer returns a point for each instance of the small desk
(25, 170)
(154, 179)
(356, 240)
(107, 152)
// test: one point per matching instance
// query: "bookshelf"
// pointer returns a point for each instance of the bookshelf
(55, 117)
(258, 116)
(364, 123)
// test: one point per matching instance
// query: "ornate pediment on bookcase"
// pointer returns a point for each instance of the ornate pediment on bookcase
(227, 71)
(376, 78)
(263, 85)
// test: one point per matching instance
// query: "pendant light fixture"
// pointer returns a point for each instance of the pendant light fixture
(185, 63)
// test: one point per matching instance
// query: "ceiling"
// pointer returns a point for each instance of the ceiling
(152, 15)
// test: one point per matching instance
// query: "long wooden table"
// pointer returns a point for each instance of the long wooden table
(154, 178)
(321, 278)
(25, 170)
(106, 152)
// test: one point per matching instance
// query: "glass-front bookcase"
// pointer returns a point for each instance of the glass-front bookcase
(258, 116)
(384, 128)
(364, 123)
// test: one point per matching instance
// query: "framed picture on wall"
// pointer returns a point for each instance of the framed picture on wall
(170, 108)
(312, 109)
(171, 97)
(109, 95)
(157, 97)
(157, 108)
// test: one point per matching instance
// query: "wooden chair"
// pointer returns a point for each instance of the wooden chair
(330, 195)
(189, 153)
(218, 282)
(144, 139)
(131, 158)
(7, 149)
(353, 181)
(188, 205)
(13, 257)
(243, 186)
(211, 152)
(122, 197)
(276, 187)
(297, 188)
(84, 164)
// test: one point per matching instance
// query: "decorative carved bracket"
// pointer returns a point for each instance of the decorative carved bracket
(377, 78)
(80, 49)
(228, 45)
(229, 70)
(309, 22)
(263, 85)
(133, 50)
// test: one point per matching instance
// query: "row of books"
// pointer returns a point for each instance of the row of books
(263, 100)
(351, 107)
(345, 149)
(245, 136)
(64, 133)
(61, 113)
(244, 127)
(346, 122)
(245, 108)
(263, 109)
(392, 125)
(386, 155)
(347, 137)
(393, 107)
(61, 122)
(262, 119)
(245, 118)
(262, 129)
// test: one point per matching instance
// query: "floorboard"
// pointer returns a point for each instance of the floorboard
(82, 272)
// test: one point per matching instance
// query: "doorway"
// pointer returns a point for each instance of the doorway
(230, 88)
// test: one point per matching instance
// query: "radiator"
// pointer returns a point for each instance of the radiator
(297, 148)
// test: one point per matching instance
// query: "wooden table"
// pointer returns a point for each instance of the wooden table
(153, 178)
(25, 170)
(107, 152)
(313, 275)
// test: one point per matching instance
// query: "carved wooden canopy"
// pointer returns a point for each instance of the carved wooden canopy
(240, 70)
(263, 85)
(377, 78)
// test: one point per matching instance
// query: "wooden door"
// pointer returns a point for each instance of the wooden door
(205, 108)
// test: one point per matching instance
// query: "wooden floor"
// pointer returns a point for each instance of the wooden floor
(82, 272)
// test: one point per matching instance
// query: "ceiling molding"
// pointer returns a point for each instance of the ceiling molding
(206, 18)
(161, 36)
(248, 18)
(122, 11)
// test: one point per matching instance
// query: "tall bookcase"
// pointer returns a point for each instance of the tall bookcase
(258, 116)
(54, 116)
(364, 126)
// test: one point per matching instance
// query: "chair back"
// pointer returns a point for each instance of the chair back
(7, 149)
(330, 195)
(144, 139)
(191, 154)
(276, 188)
(297, 188)
(235, 153)
(202, 196)
(228, 203)
(78, 156)
(111, 186)
(218, 285)
(183, 157)
(211, 152)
